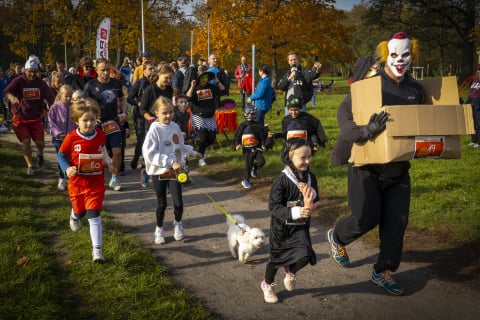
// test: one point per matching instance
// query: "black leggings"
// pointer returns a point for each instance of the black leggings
(253, 159)
(140, 132)
(206, 138)
(160, 187)
(272, 269)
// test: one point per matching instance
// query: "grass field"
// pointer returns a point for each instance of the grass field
(46, 270)
(444, 192)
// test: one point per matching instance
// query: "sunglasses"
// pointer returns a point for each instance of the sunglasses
(87, 67)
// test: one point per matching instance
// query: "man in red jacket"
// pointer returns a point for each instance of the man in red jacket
(243, 74)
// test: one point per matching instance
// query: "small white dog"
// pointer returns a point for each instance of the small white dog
(243, 241)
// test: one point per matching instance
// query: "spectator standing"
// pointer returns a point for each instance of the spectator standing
(28, 96)
(263, 94)
(474, 99)
(297, 80)
(126, 70)
(218, 72)
(378, 194)
(243, 74)
(108, 93)
(85, 73)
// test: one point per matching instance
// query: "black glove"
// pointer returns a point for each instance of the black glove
(376, 124)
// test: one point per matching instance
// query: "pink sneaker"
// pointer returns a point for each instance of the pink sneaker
(268, 295)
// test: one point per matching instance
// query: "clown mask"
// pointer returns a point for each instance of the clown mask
(399, 56)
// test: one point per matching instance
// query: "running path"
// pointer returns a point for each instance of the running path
(202, 265)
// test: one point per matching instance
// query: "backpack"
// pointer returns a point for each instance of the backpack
(274, 95)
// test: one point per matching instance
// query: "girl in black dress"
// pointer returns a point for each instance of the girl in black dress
(293, 199)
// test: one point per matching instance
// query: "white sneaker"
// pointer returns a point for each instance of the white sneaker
(178, 230)
(202, 162)
(97, 256)
(159, 236)
(268, 295)
(61, 184)
(115, 184)
(75, 224)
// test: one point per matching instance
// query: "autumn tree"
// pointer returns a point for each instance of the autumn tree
(448, 28)
(312, 28)
(45, 27)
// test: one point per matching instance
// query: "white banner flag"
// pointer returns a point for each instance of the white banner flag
(103, 33)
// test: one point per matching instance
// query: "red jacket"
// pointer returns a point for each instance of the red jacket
(244, 80)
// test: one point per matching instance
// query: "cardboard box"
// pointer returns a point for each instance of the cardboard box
(432, 130)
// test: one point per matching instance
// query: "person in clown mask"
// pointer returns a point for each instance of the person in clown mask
(378, 194)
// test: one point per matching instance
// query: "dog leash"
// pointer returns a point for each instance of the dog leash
(229, 216)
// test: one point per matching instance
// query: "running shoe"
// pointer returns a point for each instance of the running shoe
(385, 280)
(339, 252)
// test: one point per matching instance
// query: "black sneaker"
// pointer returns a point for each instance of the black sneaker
(40, 161)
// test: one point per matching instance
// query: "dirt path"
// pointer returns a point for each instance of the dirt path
(202, 265)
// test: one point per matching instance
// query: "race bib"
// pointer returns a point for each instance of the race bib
(90, 164)
(249, 140)
(110, 127)
(292, 134)
(204, 94)
(31, 93)
(429, 147)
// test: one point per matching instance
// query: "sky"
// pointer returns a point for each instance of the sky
(346, 5)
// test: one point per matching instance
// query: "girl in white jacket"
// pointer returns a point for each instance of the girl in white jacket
(164, 153)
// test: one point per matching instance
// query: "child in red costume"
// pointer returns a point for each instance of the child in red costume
(82, 157)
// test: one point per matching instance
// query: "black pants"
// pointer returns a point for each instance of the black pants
(205, 139)
(476, 119)
(140, 132)
(160, 187)
(253, 159)
(271, 269)
(375, 200)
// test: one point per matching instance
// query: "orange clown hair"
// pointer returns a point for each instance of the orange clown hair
(382, 48)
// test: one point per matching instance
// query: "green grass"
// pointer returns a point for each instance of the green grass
(46, 270)
(445, 193)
